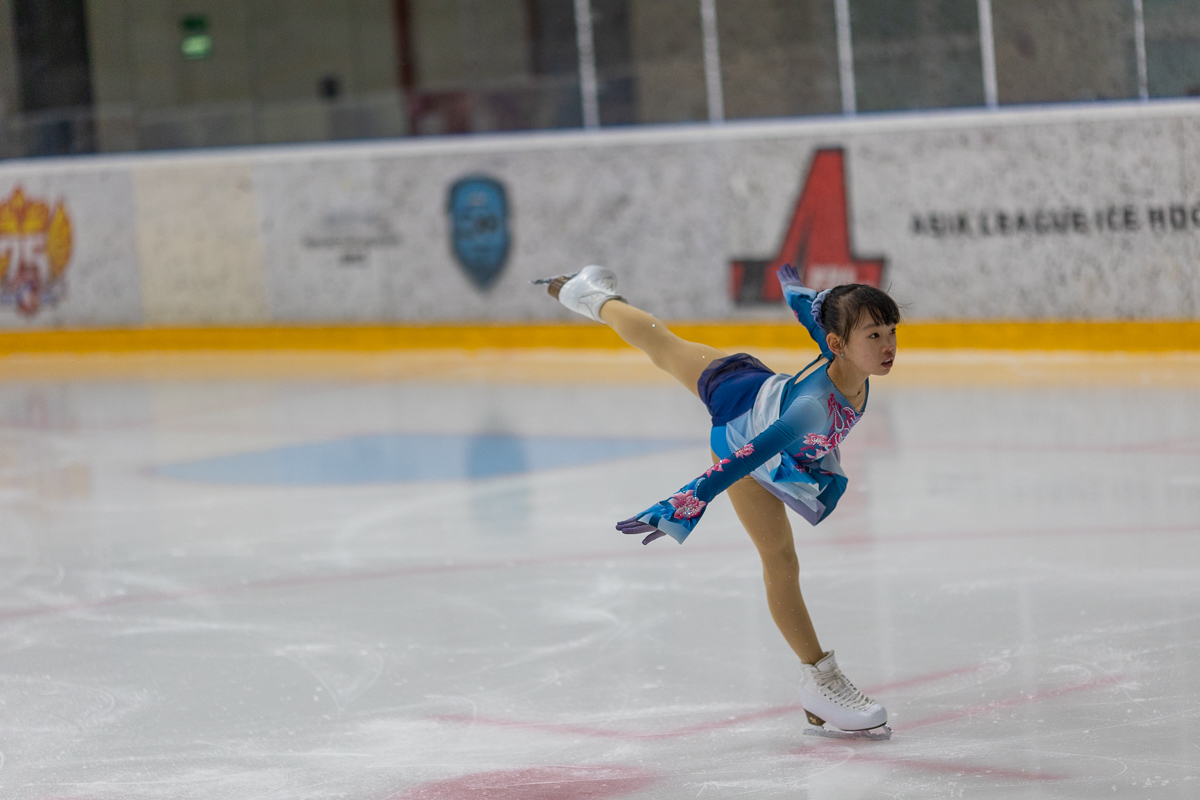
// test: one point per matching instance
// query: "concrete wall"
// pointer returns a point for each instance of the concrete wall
(1065, 213)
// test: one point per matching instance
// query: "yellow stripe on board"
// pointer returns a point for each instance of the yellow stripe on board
(1097, 336)
(1160, 336)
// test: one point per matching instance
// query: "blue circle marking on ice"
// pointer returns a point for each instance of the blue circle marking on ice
(407, 457)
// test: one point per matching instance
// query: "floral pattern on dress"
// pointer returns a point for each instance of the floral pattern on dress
(678, 515)
(818, 445)
(686, 505)
(717, 467)
(819, 441)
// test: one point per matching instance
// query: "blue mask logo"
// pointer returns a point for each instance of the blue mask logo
(478, 208)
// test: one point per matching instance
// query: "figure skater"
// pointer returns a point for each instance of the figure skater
(775, 443)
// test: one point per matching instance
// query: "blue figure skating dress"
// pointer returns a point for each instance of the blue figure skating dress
(782, 431)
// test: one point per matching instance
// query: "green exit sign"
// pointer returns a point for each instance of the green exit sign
(196, 43)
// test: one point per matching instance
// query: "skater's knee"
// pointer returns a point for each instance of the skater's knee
(780, 563)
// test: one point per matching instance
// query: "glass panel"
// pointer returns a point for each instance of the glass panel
(555, 62)
(778, 57)
(911, 54)
(614, 62)
(322, 69)
(54, 83)
(1172, 47)
(270, 71)
(312, 70)
(181, 102)
(668, 54)
(1063, 50)
(113, 75)
(491, 65)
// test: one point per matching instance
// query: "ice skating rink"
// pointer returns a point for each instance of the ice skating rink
(395, 577)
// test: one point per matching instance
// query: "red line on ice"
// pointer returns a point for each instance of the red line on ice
(688, 730)
(927, 678)
(535, 783)
(609, 733)
(963, 713)
(999, 705)
(977, 771)
(974, 770)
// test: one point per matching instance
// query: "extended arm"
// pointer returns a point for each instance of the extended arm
(678, 515)
(800, 298)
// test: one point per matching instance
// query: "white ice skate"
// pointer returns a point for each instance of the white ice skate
(586, 291)
(836, 707)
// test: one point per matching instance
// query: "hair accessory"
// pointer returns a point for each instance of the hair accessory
(817, 304)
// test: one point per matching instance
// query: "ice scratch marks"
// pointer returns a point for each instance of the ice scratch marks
(1092, 773)
(828, 757)
(1112, 631)
(328, 579)
(593, 731)
(948, 680)
(42, 704)
(839, 756)
(832, 757)
(533, 654)
(710, 725)
(999, 705)
(536, 783)
(546, 727)
(59, 606)
(345, 670)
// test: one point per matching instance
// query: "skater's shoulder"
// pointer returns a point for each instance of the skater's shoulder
(813, 378)
(802, 397)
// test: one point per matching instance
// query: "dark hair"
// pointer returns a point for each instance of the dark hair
(847, 306)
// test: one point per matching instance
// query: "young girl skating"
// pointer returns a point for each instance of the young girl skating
(775, 443)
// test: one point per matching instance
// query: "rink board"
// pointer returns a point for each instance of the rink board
(1087, 212)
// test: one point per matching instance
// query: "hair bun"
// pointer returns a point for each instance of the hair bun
(817, 304)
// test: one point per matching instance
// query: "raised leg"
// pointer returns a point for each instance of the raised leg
(764, 517)
(683, 359)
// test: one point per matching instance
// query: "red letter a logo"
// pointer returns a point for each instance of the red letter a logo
(817, 240)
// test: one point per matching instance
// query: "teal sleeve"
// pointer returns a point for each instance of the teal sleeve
(799, 299)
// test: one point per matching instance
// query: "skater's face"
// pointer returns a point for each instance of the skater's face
(870, 348)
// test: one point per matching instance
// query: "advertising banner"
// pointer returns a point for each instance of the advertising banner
(1088, 212)
(68, 256)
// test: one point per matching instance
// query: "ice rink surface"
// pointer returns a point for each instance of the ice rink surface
(226, 577)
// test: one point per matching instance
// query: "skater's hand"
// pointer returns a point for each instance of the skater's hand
(788, 275)
(674, 517)
(634, 525)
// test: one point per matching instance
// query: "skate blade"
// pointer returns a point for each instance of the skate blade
(552, 279)
(880, 734)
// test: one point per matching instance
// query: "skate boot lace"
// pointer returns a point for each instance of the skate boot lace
(836, 687)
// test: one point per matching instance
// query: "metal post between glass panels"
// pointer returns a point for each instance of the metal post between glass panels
(845, 56)
(987, 52)
(1139, 38)
(712, 61)
(588, 89)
